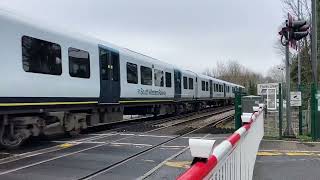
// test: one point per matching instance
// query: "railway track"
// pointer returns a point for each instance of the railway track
(73, 148)
(215, 123)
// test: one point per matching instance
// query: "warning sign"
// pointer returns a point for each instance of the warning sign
(295, 99)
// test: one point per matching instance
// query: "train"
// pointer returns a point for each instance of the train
(59, 81)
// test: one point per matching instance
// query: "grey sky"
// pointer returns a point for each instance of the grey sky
(192, 34)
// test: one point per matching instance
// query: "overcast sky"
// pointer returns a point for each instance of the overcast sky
(193, 34)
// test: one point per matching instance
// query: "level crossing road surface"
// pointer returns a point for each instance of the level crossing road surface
(107, 156)
(287, 160)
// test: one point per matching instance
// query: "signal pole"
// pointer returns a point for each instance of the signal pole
(314, 43)
(293, 32)
(299, 74)
(288, 131)
(298, 48)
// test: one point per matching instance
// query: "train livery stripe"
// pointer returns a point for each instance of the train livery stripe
(144, 101)
(46, 103)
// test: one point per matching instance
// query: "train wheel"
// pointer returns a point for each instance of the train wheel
(12, 142)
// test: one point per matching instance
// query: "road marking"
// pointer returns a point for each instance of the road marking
(269, 154)
(299, 154)
(287, 153)
(132, 144)
(178, 164)
(104, 134)
(88, 139)
(277, 140)
(166, 161)
(58, 157)
(163, 163)
(149, 135)
(66, 145)
(51, 159)
(148, 160)
(164, 146)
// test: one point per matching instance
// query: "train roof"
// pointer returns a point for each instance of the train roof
(65, 33)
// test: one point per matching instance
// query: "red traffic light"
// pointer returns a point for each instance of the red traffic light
(299, 35)
(298, 24)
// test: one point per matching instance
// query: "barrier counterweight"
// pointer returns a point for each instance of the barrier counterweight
(234, 158)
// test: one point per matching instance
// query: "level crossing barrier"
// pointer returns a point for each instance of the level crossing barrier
(233, 158)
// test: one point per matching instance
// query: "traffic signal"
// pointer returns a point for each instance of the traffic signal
(299, 29)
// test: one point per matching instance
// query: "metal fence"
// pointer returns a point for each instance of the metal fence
(301, 125)
(235, 157)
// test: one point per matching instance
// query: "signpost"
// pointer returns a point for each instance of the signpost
(262, 88)
(295, 98)
(272, 99)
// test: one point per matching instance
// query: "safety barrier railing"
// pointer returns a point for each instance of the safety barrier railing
(233, 158)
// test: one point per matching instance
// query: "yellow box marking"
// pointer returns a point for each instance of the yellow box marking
(262, 153)
(299, 154)
(66, 145)
(286, 153)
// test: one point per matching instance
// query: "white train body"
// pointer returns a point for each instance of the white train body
(53, 78)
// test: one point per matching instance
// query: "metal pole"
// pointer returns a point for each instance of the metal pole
(289, 131)
(298, 48)
(280, 110)
(299, 74)
(314, 59)
(314, 120)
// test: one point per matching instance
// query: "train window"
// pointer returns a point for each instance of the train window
(203, 85)
(146, 75)
(79, 63)
(168, 79)
(185, 82)
(207, 86)
(115, 66)
(132, 73)
(104, 58)
(190, 83)
(39, 56)
(158, 78)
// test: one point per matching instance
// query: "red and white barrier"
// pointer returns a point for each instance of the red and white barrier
(232, 159)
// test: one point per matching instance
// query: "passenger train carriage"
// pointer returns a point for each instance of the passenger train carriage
(56, 81)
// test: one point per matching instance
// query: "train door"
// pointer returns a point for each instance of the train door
(177, 84)
(109, 76)
(196, 88)
(224, 90)
(211, 89)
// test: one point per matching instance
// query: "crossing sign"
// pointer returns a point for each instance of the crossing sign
(295, 99)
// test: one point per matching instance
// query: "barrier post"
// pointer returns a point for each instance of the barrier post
(238, 110)
(234, 157)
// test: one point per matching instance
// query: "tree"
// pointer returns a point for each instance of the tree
(233, 71)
